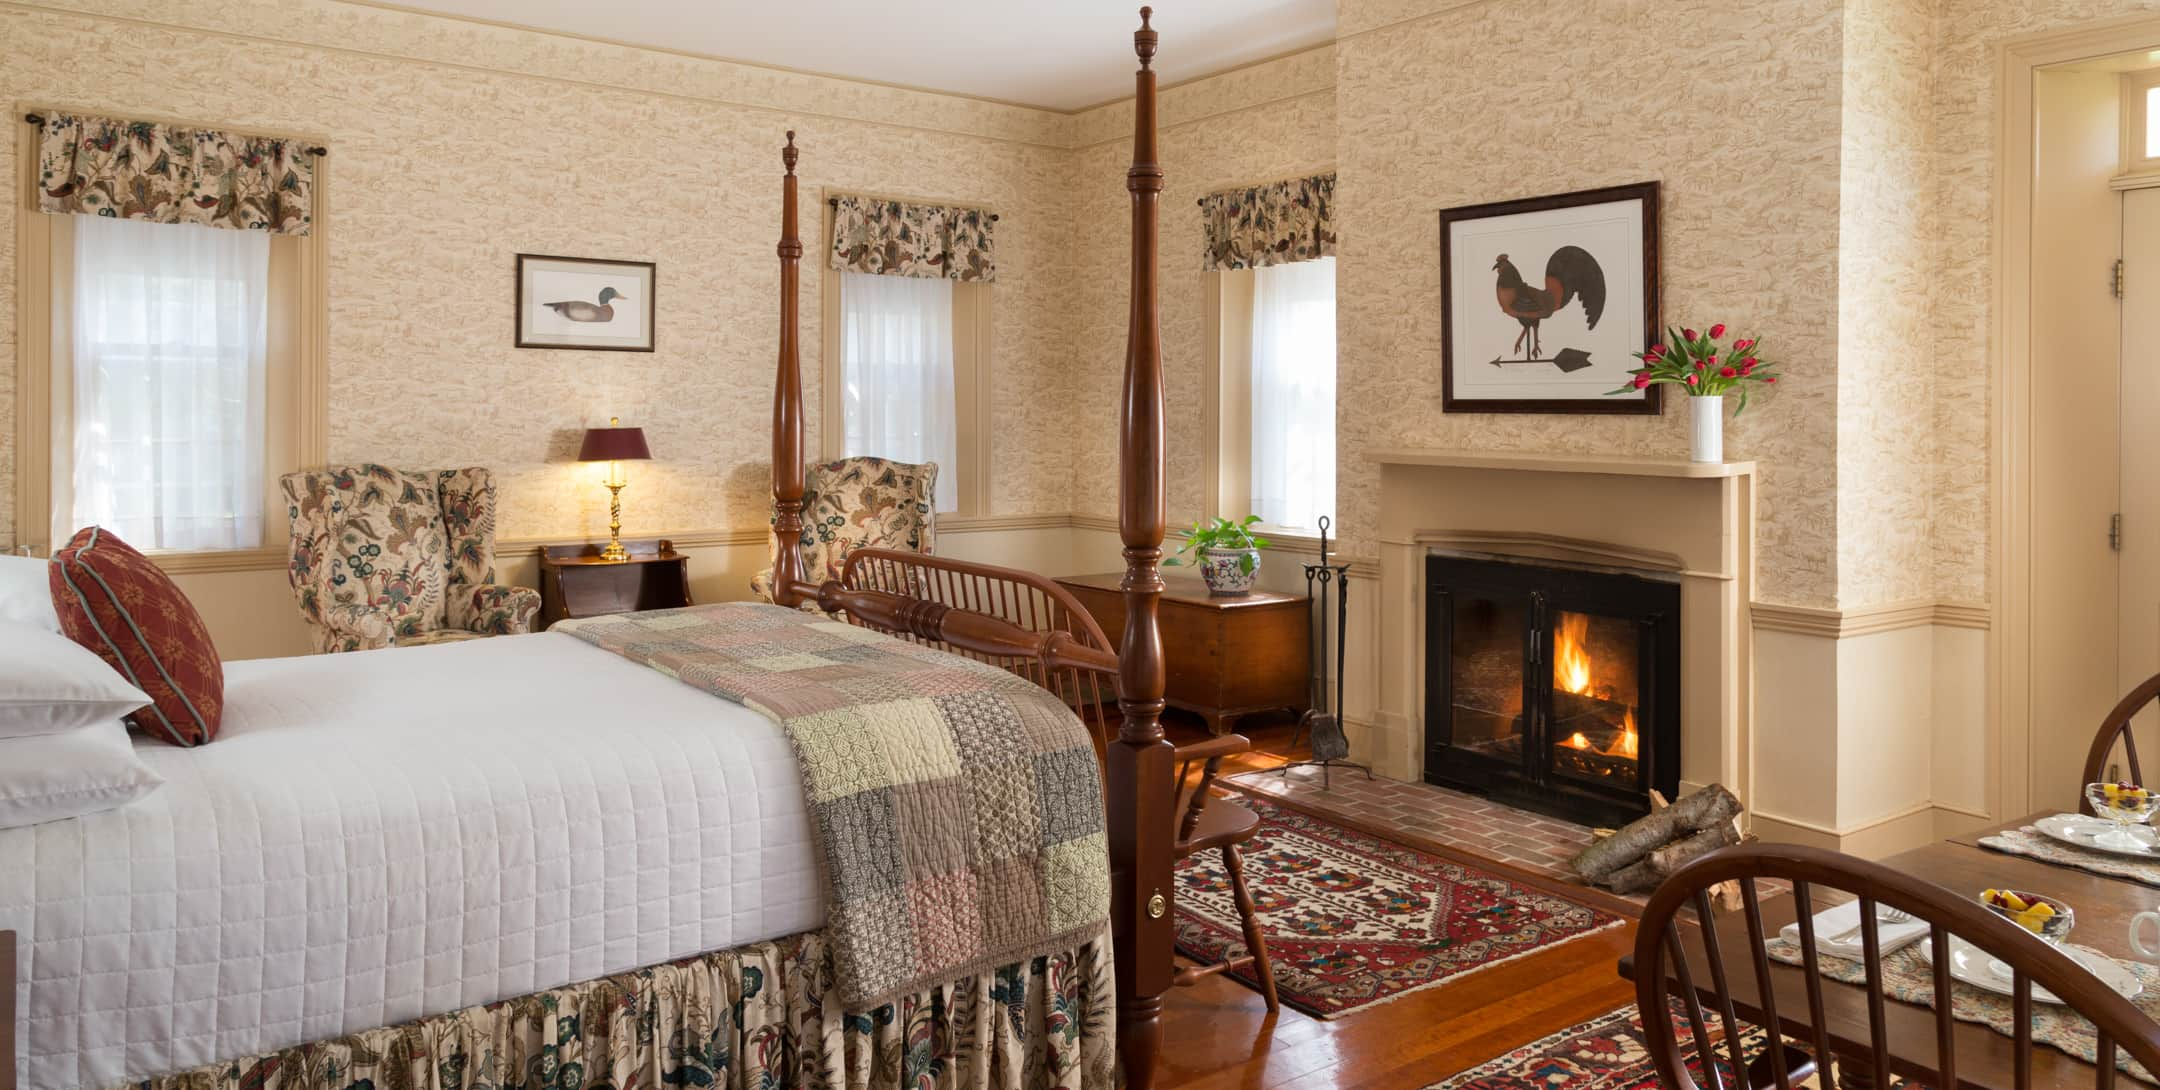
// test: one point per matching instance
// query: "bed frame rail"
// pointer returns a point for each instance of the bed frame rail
(915, 596)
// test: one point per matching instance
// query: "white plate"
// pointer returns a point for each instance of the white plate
(1982, 970)
(2080, 830)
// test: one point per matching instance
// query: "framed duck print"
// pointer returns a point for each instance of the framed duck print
(1544, 301)
(578, 302)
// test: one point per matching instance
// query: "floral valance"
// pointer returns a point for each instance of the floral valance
(894, 238)
(1272, 224)
(142, 170)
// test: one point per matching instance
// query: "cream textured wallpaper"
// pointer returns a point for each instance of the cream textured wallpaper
(1885, 423)
(1836, 198)
(455, 145)
(1495, 101)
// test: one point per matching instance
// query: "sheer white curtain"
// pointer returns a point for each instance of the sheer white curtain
(896, 373)
(166, 382)
(1293, 393)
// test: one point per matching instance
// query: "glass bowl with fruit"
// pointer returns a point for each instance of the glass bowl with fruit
(2044, 916)
(2126, 805)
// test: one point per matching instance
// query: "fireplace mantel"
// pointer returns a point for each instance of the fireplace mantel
(1694, 522)
(1616, 465)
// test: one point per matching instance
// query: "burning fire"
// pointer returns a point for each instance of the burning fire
(1623, 746)
(1571, 656)
(1571, 672)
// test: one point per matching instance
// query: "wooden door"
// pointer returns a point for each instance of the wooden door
(2138, 561)
(2076, 443)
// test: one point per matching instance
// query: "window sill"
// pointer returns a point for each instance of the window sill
(207, 562)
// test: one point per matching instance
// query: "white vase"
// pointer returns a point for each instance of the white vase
(1706, 428)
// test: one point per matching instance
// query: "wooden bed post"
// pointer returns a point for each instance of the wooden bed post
(1138, 764)
(787, 446)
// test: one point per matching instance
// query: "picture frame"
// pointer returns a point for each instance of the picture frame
(585, 303)
(1506, 345)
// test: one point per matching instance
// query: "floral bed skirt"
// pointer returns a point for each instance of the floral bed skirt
(759, 1017)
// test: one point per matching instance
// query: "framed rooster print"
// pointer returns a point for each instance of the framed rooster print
(1544, 301)
(582, 302)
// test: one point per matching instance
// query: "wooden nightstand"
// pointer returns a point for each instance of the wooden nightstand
(1225, 657)
(575, 582)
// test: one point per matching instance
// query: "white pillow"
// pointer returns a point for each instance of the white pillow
(55, 776)
(26, 592)
(49, 684)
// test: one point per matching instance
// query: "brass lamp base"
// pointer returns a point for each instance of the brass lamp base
(615, 553)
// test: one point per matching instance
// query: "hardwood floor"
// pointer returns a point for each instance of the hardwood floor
(1218, 1035)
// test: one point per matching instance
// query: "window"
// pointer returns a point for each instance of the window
(2152, 123)
(897, 398)
(2141, 121)
(1276, 370)
(165, 375)
(907, 375)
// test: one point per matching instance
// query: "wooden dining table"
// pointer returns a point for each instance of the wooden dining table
(1984, 1057)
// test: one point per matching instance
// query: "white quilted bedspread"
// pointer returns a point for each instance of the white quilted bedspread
(375, 837)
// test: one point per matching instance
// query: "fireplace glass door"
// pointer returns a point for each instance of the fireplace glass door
(1555, 688)
(1488, 660)
(1596, 696)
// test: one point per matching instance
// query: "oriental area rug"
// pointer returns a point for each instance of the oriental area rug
(1605, 1053)
(1608, 1053)
(1352, 920)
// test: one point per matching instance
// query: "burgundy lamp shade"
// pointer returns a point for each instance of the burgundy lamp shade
(614, 445)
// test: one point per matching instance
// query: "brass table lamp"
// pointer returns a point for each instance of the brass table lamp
(614, 445)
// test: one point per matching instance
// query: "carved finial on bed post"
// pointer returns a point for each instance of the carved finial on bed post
(1138, 764)
(787, 448)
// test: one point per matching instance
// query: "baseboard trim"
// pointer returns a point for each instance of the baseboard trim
(1895, 832)
(1838, 624)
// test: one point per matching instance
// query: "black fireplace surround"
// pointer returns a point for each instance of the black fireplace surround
(1554, 689)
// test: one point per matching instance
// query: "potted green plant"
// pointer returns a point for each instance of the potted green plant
(1228, 554)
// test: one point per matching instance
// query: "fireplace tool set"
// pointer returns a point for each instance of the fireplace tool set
(1328, 586)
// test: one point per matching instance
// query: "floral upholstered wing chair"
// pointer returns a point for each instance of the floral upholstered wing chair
(383, 557)
(860, 503)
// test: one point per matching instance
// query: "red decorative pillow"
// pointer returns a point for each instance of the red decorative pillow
(116, 602)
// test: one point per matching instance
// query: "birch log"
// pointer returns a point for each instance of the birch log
(1690, 814)
(1654, 868)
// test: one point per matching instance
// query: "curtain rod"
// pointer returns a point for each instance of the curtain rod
(834, 202)
(39, 119)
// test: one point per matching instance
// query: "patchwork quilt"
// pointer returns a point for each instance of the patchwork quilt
(958, 808)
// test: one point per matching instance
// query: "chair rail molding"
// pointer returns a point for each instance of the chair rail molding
(1846, 623)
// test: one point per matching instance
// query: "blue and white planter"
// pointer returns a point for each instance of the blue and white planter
(1226, 573)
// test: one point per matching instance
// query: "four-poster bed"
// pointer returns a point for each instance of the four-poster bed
(970, 608)
(676, 880)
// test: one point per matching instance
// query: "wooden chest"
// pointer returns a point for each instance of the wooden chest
(1225, 657)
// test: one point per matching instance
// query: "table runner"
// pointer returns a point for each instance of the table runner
(1908, 978)
(2034, 844)
(958, 808)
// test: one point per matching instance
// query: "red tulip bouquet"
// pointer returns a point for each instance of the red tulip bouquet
(1701, 366)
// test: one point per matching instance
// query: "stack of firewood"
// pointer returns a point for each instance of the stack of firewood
(1639, 855)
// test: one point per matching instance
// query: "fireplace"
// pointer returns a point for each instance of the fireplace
(1554, 689)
